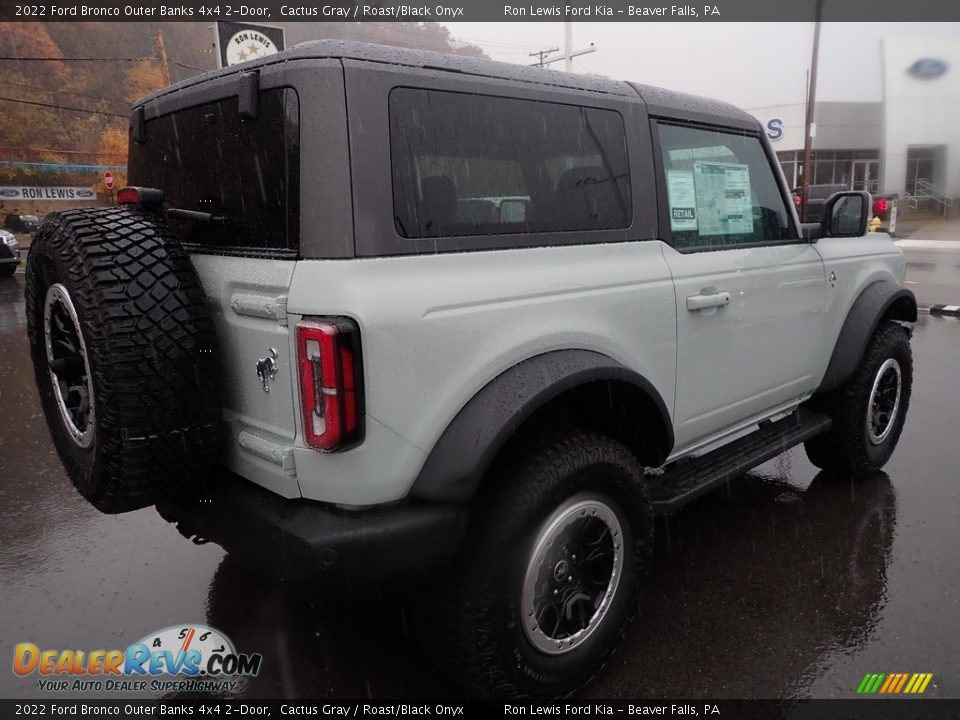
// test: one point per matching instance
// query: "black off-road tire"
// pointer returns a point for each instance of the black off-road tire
(149, 355)
(846, 449)
(473, 625)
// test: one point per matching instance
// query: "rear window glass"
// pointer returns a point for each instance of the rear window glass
(245, 173)
(480, 165)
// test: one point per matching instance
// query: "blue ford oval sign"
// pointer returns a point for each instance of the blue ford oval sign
(928, 68)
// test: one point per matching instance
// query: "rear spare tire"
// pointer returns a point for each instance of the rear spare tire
(122, 343)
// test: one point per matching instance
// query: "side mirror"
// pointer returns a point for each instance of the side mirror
(846, 214)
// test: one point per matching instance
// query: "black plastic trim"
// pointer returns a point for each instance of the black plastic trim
(306, 541)
(248, 96)
(865, 315)
(455, 467)
(689, 479)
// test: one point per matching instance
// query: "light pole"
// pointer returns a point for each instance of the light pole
(811, 103)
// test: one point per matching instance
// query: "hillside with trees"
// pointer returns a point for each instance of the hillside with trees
(66, 88)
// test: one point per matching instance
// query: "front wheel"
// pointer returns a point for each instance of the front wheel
(550, 577)
(870, 410)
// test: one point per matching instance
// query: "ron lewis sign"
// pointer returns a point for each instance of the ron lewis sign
(241, 42)
(47, 193)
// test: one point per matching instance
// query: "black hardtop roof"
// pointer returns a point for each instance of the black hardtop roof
(659, 101)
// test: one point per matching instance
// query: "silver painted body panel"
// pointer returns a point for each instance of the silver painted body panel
(247, 297)
(760, 351)
(435, 329)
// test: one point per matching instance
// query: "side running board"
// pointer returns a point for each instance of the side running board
(690, 479)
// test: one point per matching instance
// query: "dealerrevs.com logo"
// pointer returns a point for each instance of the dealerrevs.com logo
(197, 657)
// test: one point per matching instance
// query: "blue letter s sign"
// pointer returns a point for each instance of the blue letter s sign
(774, 129)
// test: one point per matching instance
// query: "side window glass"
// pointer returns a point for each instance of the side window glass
(483, 165)
(721, 190)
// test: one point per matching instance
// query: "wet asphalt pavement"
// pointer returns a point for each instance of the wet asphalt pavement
(783, 584)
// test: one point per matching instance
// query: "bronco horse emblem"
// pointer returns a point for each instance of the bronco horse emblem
(267, 369)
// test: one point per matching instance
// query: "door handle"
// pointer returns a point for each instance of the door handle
(716, 299)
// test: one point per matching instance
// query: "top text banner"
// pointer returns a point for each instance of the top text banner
(483, 10)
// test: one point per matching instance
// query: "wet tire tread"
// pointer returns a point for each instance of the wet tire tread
(461, 630)
(150, 336)
(845, 448)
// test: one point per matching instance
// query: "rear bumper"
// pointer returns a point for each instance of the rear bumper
(308, 541)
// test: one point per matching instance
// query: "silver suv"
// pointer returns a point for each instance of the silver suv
(439, 315)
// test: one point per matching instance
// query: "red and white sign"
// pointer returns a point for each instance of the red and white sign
(108, 180)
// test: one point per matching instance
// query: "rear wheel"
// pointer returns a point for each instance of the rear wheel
(870, 410)
(8, 269)
(550, 577)
(122, 345)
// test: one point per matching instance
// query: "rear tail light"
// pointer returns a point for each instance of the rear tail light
(328, 354)
(144, 197)
(880, 205)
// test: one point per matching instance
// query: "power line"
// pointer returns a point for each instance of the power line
(188, 67)
(60, 151)
(61, 167)
(542, 54)
(91, 59)
(478, 41)
(63, 107)
(58, 92)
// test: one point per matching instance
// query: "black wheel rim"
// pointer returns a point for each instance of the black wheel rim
(68, 365)
(573, 573)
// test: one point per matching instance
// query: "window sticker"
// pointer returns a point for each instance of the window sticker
(724, 203)
(683, 200)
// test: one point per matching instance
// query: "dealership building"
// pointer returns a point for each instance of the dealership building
(907, 143)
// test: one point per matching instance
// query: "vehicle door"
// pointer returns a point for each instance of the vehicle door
(750, 294)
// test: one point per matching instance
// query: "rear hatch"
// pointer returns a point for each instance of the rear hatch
(231, 187)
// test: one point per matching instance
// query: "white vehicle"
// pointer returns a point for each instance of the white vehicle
(9, 254)
(442, 315)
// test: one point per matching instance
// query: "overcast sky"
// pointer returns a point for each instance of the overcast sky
(748, 64)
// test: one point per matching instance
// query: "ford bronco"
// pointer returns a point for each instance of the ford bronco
(441, 315)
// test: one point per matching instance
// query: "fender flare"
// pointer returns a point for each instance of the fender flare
(878, 301)
(461, 457)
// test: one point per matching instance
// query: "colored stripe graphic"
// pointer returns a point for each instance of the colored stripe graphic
(903, 681)
(894, 683)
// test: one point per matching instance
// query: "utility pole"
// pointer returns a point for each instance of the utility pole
(811, 105)
(568, 52)
(541, 54)
(162, 55)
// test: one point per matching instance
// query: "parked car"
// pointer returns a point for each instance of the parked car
(818, 196)
(16, 222)
(487, 322)
(21, 223)
(9, 254)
